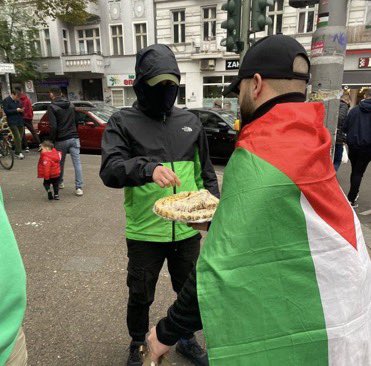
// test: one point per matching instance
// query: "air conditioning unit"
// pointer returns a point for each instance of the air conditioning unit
(208, 64)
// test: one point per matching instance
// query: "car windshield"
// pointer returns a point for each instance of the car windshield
(102, 114)
(228, 117)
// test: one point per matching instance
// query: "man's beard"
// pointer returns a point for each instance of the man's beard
(247, 109)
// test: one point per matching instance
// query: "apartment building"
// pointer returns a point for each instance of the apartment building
(96, 61)
(192, 28)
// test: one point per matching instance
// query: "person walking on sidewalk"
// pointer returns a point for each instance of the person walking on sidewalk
(49, 168)
(27, 118)
(357, 126)
(14, 111)
(154, 150)
(63, 125)
(13, 300)
(340, 136)
(284, 277)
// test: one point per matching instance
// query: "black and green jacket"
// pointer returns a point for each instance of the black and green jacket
(135, 142)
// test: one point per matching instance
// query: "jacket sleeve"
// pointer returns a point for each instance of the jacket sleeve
(7, 110)
(205, 173)
(119, 168)
(52, 123)
(346, 124)
(183, 317)
(343, 112)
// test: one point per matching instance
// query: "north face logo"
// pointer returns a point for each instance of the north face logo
(187, 129)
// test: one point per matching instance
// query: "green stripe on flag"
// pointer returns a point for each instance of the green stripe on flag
(257, 288)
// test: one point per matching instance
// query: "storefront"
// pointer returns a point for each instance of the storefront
(121, 90)
(42, 87)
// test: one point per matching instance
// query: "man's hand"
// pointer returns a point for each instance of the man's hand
(156, 348)
(20, 110)
(165, 177)
(202, 226)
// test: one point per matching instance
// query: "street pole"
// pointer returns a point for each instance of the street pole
(245, 27)
(327, 58)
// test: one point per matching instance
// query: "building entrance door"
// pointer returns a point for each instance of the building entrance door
(92, 89)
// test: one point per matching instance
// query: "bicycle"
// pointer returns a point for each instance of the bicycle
(6, 149)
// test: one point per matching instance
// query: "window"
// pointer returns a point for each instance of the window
(38, 107)
(66, 45)
(118, 97)
(89, 41)
(141, 35)
(179, 26)
(306, 19)
(181, 95)
(275, 11)
(209, 22)
(48, 45)
(117, 40)
(210, 120)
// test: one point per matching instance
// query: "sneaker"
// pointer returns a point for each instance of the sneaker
(61, 185)
(79, 192)
(19, 156)
(56, 197)
(137, 350)
(191, 350)
(27, 150)
(50, 195)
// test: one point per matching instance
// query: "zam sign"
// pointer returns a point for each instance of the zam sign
(232, 64)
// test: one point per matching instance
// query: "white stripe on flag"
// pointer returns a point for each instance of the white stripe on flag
(344, 280)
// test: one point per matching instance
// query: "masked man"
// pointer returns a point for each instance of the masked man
(154, 150)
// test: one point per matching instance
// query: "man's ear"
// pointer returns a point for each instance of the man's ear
(257, 86)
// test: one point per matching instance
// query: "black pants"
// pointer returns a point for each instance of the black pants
(52, 182)
(145, 263)
(28, 124)
(359, 158)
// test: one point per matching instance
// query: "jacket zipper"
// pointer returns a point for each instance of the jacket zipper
(174, 188)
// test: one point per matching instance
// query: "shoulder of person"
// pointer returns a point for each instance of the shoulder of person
(185, 113)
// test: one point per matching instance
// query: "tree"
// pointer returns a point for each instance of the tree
(19, 39)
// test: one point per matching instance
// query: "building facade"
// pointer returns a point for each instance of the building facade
(192, 28)
(96, 61)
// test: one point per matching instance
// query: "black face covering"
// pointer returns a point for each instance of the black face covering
(159, 99)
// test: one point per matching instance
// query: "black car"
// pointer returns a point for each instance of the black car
(220, 129)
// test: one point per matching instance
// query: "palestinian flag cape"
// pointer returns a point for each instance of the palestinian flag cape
(284, 277)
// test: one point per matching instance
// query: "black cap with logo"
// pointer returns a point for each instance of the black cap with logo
(273, 58)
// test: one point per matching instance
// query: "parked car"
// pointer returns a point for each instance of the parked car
(91, 124)
(221, 130)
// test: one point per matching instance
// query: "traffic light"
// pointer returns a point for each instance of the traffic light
(232, 25)
(259, 18)
(302, 3)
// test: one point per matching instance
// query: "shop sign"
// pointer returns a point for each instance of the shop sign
(364, 62)
(232, 64)
(29, 87)
(120, 80)
(7, 68)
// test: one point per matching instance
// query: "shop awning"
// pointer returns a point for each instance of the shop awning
(357, 78)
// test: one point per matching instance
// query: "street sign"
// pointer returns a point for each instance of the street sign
(7, 68)
(29, 87)
(232, 64)
(364, 62)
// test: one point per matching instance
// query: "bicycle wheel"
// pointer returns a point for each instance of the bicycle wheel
(6, 155)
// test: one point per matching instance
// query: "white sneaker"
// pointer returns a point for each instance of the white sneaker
(61, 185)
(19, 156)
(27, 150)
(79, 192)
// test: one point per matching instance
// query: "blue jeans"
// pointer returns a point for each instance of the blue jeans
(338, 156)
(72, 147)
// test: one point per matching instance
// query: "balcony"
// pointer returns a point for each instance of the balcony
(93, 63)
(358, 34)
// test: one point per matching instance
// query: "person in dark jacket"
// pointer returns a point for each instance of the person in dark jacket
(357, 126)
(154, 150)
(14, 111)
(340, 136)
(61, 116)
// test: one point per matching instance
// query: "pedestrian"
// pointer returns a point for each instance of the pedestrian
(340, 136)
(14, 111)
(284, 277)
(357, 126)
(27, 118)
(154, 150)
(13, 350)
(49, 168)
(64, 134)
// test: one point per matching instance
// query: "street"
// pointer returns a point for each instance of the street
(75, 257)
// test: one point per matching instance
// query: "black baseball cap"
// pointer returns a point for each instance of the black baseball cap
(273, 58)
